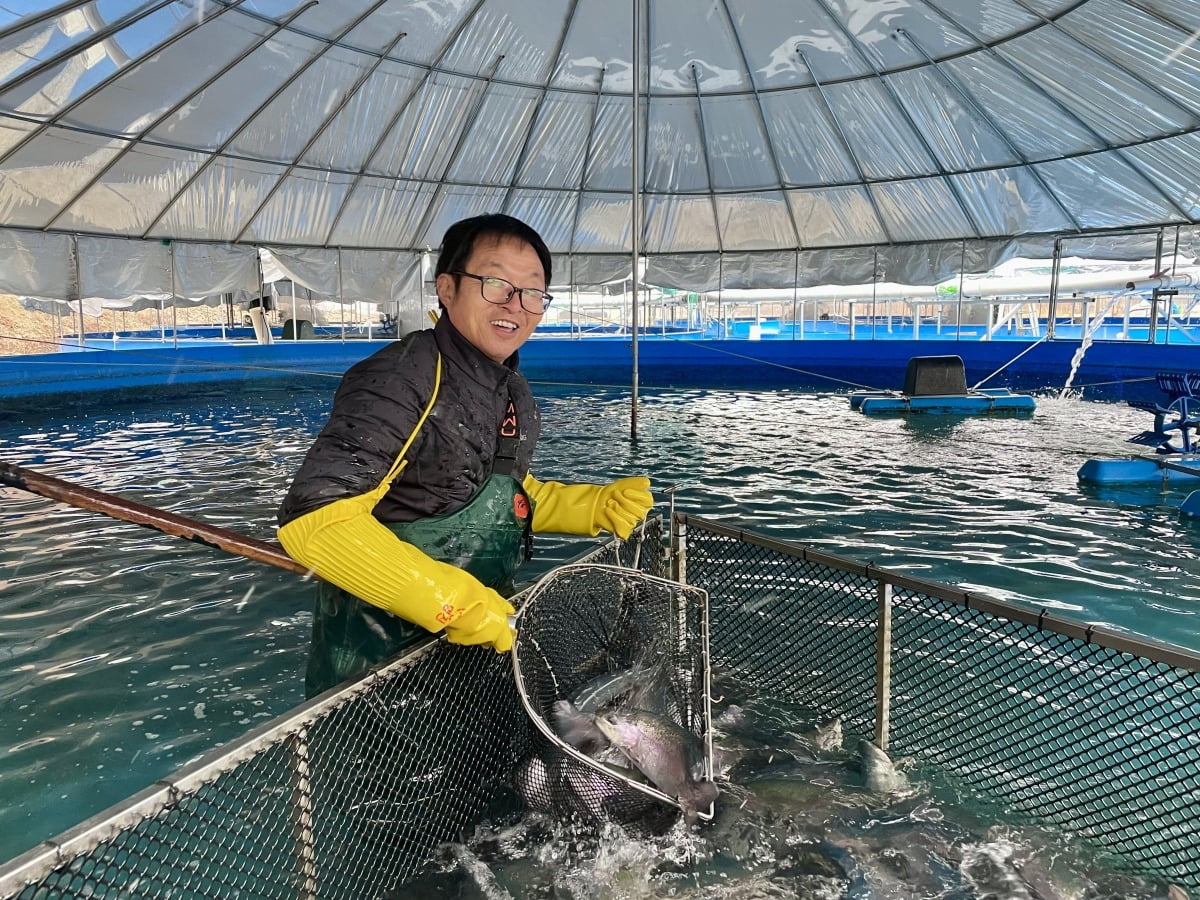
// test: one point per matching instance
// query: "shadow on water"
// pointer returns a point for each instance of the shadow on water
(1156, 500)
(929, 427)
(145, 398)
(1134, 495)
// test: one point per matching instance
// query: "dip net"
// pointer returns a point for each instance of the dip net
(607, 639)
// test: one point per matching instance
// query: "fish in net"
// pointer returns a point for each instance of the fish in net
(612, 667)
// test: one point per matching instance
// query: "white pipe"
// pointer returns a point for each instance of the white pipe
(987, 286)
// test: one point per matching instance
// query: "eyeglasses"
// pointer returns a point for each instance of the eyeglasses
(498, 291)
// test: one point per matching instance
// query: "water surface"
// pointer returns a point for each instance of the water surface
(129, 653)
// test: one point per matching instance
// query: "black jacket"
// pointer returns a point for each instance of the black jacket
(377, 405)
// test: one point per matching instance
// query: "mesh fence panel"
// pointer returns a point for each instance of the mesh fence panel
(348, 796)
(781, 620)
(345, 805)
(1103, 743)
(1066, 724)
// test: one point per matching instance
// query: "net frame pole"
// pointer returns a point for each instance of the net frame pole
(302, 817)
(678, 546)
(883, 666)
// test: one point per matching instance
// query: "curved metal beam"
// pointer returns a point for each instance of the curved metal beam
(183, 148)
(712, 197)
(523, 155)
(469, 120)
(100, 85)
(447, 44)
(45, 15)
(849, 150)
(218, 241)
(762, 120)
(587, 159)
(970, 100)
(865, 59)
(320, 130)
(1056, 24)
(135, 140)
(98, 37)
(1033, 85)
(216, 153)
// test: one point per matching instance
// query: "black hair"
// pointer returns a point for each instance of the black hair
(461, 238)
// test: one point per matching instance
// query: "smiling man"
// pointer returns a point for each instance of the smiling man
(415, 504)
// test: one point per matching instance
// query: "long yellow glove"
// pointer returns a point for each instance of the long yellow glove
(345, 545)
(589, 508)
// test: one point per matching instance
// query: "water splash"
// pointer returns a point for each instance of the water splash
(1088, 336)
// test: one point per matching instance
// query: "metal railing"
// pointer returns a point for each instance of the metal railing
(348, 795)
(1068, 724)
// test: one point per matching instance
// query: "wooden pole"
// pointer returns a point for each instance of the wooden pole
(168, 523)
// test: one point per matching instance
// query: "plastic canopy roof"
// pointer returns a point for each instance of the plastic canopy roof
(798, 126)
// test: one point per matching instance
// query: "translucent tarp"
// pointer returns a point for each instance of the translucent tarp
(802, 126)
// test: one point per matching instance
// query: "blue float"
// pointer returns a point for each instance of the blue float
(1190, 507)
(1173, 439)
(938, 384)
(1139, 470)
(970, 403)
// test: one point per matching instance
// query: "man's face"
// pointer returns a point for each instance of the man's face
(497, 329)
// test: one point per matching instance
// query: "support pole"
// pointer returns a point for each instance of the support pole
(883, 667)
(636, 204)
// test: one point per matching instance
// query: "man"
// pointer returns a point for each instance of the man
(415, 503)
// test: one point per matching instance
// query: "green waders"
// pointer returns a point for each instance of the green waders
(489, 537)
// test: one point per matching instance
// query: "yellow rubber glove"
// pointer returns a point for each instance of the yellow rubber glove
(622, 504)
(480, 615)
(589, 508)
(345, 545)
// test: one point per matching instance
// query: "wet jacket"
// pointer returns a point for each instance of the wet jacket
(376, 408)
